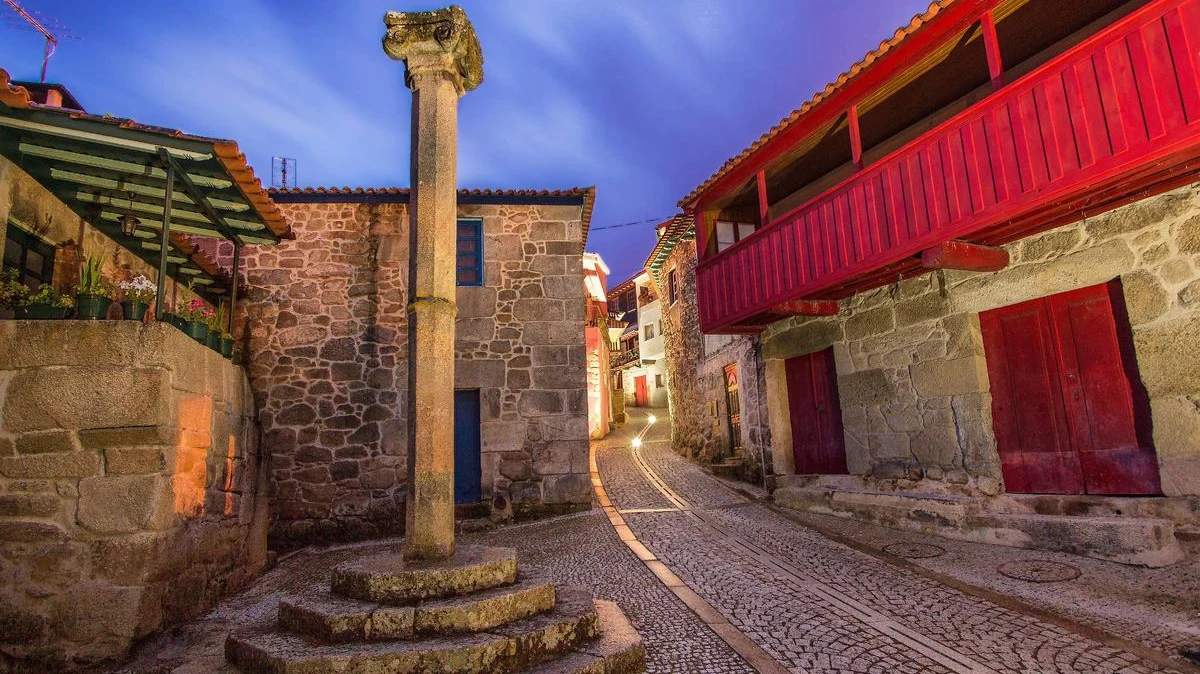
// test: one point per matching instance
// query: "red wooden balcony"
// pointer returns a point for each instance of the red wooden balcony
(1108, 121)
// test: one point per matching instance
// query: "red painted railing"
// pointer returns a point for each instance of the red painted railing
(1119, 106)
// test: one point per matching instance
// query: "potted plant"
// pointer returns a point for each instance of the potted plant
(216, 328)
(227, 345)
(13, 293)
(93, 295)
(195, 316)
(45, 304)
(137, 293)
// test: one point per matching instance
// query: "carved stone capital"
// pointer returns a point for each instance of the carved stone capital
(442, 39)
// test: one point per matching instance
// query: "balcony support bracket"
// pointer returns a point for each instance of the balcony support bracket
(964, 256)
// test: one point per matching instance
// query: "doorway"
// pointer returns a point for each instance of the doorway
(468, 470)
(641, 394)
(818, 445)
(1069, 410)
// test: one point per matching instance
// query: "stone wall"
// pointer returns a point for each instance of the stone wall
(327, 343)
(696, 379)
(23, 200)
(911, 372)
(132, 492)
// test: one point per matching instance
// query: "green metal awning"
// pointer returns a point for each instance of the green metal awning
(104, 168)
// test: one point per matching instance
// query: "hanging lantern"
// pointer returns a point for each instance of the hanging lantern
(129, 224)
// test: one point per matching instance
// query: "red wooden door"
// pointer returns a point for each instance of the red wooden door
(641, 395)
(818, 446)
(1069, 412)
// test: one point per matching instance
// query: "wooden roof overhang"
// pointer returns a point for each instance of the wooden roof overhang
(103, 168)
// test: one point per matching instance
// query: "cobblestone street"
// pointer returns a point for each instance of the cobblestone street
(775, 585)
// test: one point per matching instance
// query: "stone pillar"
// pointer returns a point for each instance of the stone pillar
(443, 61)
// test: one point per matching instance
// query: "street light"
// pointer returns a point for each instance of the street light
(637, 442)
(653, 418)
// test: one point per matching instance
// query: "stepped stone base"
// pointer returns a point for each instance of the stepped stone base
(500, 624)
(392, 579)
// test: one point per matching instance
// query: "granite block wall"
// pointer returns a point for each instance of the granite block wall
(132, 491)
(324, 327)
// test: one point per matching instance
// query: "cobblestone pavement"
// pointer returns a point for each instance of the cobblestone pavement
(819, 606)
(813, 604)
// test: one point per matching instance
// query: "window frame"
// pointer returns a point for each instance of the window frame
(672, 287)
(477, 239)
(28, 241)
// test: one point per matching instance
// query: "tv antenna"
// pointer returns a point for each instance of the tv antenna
(41, 25)
(283, 171)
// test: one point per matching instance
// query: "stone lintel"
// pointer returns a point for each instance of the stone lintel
(442, 39)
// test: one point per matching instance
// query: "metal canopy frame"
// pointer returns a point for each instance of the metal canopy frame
(103, 168)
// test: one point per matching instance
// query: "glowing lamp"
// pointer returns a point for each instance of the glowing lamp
(637, 442)
(653, 418)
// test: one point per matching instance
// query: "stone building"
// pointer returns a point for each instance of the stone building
(599, 350)
(716, 382)
(327, 342)
(640, 368)
(975, 277)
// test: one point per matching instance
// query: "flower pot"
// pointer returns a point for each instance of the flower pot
(197, 330)
(91, 307)
(213, 340)
(227, 347)
(41, 312)
(134, 311)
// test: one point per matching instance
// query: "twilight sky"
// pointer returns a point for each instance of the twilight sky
(642, 98)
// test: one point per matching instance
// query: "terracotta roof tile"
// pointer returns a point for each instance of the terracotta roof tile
(677, 227)
(869, 59)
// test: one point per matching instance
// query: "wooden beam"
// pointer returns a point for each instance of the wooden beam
(98, 138)
(991, 44)
(855, 137)
(132, 168)
(764, 218)
(964, 256)
(193, 191)
(122, 185)
(806, 308)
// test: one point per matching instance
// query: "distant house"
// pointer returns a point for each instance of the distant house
(599, 349)
(639, 365)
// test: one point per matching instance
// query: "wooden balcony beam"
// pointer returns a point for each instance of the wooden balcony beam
(964, 256)
(806, 308)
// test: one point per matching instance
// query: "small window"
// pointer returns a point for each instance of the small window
(658, 380)
(672, 287)
(648, 332)
(32, 257)
(729, 233)
(470, 252)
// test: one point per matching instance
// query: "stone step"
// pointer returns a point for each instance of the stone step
(390, 579)
(512, 648)
(336, 619)
(619, 650)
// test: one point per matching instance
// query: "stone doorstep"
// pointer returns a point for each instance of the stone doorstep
(389, 579)
(1139, 541)
(572, 623)
(331, 618)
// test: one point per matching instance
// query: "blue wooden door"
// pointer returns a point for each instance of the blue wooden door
(467, 470)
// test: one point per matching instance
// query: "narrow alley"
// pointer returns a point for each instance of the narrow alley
(730, 584)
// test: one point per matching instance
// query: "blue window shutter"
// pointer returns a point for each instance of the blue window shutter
(470, 252)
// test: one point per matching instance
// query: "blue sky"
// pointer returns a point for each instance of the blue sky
(642, 98)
